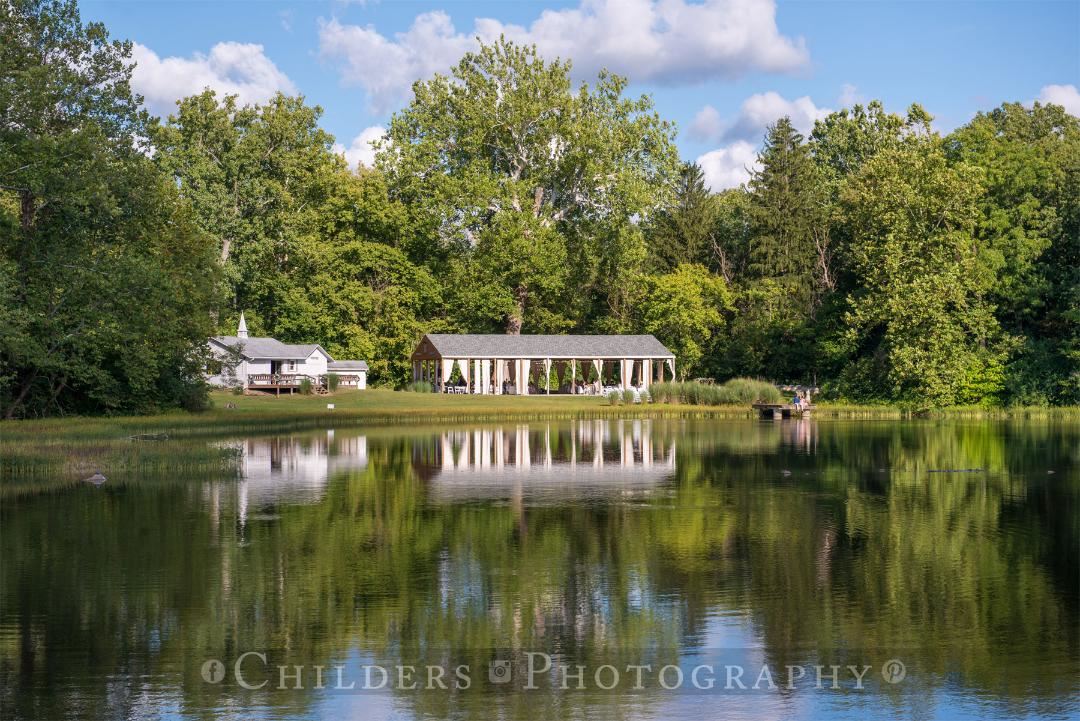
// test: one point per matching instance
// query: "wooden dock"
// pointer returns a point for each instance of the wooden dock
(782, 410)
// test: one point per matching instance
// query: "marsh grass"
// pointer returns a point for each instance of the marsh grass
(737, 391)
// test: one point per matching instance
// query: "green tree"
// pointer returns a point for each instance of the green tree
(105, 283)
(531, 183)
(843, 141)
(261, 179)
(788, 214)
(683, 232)
(728, 251)
(1029, 241)
(918, 326)
(684, 309)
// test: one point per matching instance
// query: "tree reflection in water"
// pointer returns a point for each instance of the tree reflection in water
(597, 541)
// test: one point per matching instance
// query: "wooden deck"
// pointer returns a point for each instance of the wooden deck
(277, 382)
(782, 410)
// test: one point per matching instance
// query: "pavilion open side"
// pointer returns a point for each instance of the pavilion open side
(523, 364)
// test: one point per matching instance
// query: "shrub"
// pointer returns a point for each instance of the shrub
(333, 380)
(736, 391)
(306, 386)
(419, 387)
(748, 390)
(628, 396)
(661, 392)
(644, 396)
(613, 398)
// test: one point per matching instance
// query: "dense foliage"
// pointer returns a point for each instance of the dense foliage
(105, 281)
(875, 258)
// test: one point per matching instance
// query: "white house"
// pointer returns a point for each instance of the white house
(268, 364)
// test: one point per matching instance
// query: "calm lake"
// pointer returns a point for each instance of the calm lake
(591, 569)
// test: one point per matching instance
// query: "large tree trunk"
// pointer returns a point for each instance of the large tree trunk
(27, 210)
(515, 319)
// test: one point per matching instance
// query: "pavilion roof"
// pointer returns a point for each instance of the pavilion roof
(494, 345)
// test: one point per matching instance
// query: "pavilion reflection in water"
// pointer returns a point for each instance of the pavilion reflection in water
(595, 457)
(294, 469)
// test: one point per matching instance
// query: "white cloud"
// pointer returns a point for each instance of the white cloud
(728, 167)
(230, 68)
(850, 95)
(664, 41)
(386, 68)
(1066, 96)
(706, 125)
(360, 151)
(755, 115)
(761, 110)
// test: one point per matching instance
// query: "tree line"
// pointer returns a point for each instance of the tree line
(876, 258)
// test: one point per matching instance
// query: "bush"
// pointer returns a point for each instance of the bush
(644, 396)
(628, 396)
(419, 387)
(736, 391)
(306, 386)
(333, 380)
(613, 398)
(662, 392)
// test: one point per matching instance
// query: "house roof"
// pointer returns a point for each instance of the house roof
(347, 365)
(540, 346)
(268, 348)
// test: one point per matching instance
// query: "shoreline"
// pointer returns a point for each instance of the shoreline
(43, 454)
(237, 414)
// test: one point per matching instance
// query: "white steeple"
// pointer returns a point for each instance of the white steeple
(241, 330)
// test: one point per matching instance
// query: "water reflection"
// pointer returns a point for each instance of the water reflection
(293, 469)
(553, 461)
(597, 542)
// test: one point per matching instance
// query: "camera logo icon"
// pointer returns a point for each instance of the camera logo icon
(499, 672)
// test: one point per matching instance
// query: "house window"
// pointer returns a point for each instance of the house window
(290, 366)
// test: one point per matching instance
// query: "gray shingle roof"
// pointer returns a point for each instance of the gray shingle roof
(347, 365)
(545, 346)
(269, 348)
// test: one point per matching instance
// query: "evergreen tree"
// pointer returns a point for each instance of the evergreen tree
(683, 232)
(787, 216)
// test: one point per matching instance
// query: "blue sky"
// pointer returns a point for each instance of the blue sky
(721, 69)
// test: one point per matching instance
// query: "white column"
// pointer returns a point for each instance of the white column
(547, 376)
(500, 368)
(525, 365)
(466, 372)
(485, 376)
(598, 365)
(646, 372)
(573, 376)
